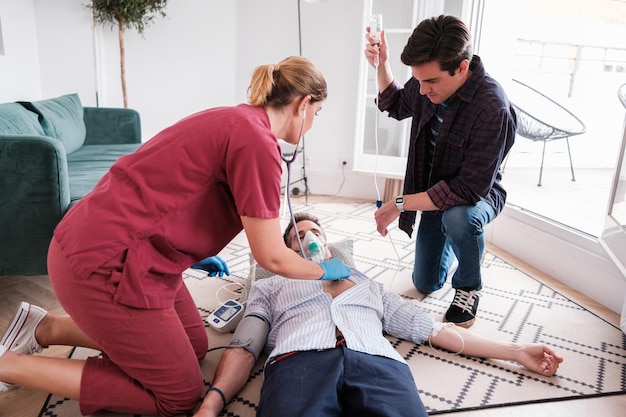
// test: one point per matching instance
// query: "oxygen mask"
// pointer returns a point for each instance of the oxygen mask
(313, 247)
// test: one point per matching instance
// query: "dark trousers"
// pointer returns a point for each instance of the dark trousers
(339, 382)
(457, 232)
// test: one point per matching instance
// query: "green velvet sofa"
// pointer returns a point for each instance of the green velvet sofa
(52, 153)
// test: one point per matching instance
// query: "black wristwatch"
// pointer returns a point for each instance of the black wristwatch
(400, 203)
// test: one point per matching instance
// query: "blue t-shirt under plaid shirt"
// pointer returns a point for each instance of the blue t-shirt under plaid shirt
(476, 134)
(433, 133)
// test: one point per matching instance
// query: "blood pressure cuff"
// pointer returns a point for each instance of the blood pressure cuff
(251, 334)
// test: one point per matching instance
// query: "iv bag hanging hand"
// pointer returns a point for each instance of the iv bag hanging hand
(376, 26)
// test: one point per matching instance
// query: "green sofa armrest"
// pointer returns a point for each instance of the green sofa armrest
(34, 186)
(106, 125)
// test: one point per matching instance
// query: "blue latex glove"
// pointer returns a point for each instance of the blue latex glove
(334, 270)
(214, 265)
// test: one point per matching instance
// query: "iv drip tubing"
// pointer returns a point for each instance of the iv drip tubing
(379, 200)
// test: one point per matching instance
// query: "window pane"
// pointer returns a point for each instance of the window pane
(572, 52)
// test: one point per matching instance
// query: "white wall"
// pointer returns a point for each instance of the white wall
(573, 258)
(64, 46)
(333, 38)
(183, 63)
(19, 66)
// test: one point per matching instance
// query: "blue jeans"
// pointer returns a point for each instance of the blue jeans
(458, 231)
(339, 382)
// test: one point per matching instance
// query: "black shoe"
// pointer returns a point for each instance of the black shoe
(462, 311)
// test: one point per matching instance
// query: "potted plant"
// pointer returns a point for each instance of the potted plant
(126, 14)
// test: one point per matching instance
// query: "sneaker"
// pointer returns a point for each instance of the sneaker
(4, 387)
(20, 336)
(462, 311)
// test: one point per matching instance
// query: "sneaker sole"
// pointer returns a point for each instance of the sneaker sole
(8, 339)
(465, 324)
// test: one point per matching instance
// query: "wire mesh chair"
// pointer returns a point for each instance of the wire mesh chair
(539, 118)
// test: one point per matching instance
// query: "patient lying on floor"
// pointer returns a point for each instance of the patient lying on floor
(327, 350)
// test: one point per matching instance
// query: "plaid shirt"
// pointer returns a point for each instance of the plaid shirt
(477, 132)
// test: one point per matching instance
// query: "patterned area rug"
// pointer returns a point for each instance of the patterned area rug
(513, 307)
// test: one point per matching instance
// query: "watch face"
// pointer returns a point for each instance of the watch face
(400, 203)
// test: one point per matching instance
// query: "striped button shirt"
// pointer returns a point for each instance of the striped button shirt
(303, 317)
(476, 134)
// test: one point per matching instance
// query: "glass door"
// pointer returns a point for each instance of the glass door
(614, 234)
(572, 53)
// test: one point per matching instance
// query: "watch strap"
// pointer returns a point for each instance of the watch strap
(400, 203)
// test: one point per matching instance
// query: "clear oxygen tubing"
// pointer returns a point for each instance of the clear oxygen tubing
(232, 286)
(236, 293)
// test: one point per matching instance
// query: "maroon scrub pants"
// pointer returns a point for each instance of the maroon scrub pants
(150, 361)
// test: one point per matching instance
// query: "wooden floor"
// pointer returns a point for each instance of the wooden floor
(25, 402)
(36, 289)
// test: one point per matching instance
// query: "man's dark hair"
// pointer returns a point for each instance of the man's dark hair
(299, 217)
(444, 39)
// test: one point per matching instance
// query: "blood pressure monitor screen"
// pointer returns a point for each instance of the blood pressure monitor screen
(226, 317)
(226, 312)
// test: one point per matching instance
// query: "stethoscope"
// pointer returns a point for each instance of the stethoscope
(289, 161)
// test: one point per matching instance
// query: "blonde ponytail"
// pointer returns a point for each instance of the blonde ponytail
(277, 85)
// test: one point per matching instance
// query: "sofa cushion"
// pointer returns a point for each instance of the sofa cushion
(16, 120)
(88, 164)
(61, 118)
